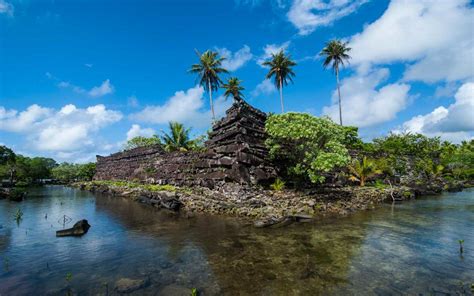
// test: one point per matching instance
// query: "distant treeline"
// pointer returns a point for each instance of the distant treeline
(19, 169)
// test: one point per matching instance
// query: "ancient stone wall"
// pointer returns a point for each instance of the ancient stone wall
(235, 152)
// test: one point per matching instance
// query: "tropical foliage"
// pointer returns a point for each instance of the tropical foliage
(363, 169)
(208, 70)
(336, 54)
(177, 138)
(233, 88)
(71, 172)
(141, 141)
(305, 146)
(281, 70)
(16, 167)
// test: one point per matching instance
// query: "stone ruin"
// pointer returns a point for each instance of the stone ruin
(235, 152)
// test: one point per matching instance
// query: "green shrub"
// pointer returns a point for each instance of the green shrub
(305, 146)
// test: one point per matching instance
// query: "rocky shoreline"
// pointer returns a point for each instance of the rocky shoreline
(256, 204)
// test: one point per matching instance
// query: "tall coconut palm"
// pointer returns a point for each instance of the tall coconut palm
(177, 138)
(336, 54)
(363, 170)
(208, 70)
(281, 69)
(234, 89)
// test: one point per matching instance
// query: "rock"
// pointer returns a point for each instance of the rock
(80, 228)
(175, 290)
(126, 285)
(171, 204)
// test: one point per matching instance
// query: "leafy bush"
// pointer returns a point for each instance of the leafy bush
(142, 142)
(306, 146)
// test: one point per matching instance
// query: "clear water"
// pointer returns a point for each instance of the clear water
(410, 248)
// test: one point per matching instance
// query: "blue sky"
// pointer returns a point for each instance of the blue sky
(77, 78)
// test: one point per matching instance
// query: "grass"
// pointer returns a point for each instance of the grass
(135, 184)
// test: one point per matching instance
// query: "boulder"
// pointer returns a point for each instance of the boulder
(80, 228)
(126, 285)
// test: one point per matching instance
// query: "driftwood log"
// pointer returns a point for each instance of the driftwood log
(80, 228)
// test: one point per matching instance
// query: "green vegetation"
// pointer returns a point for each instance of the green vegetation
(362, 170)
(71, 172)
(306, 147)
(131, 185)
(234, 89)
(178, 138)
(461, 246)
(335, 54)
(194, 292)
(141, 141)
(208, 69)
(281, 69)
(18, 168)
(278, 185)
(18, 216)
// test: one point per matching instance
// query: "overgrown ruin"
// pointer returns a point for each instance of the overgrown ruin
(235, 152)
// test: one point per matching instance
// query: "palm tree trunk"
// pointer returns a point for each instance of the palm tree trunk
(210, 100)
(281, 95)
(339, 95)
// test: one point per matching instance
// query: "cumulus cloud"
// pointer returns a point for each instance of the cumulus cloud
(435, 37)
(136, 131)
(105, 88)
(6, 8)
(185, 107)
(66, 131)
(14, 121)
(307, 15)
(265, 87)
(365, 103)
(453, 123)
(235, 60)
(270, 49)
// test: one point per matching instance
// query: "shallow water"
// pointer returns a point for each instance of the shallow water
(410, 248)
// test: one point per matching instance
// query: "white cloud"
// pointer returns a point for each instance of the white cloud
(136, 130)
(14, 121)
(435, 36)
(68, 130)
(365, 103)
(235, 60)
(185, 107)
(270, 49)
(265, 87)
(307, 15)
(105, 88)
(454, 123)
(6, 8)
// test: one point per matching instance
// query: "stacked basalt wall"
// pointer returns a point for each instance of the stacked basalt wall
(235, 152)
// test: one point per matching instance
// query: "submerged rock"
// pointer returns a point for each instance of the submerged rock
(175, 290)
(126, 285)
(80, 228)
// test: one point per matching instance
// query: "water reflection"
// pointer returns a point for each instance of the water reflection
(409, 249)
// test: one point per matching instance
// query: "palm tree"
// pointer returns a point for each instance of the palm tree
(363, 170)
(208, 70)
(281, 68)
(177, 138)
(234, 89)
(336, 53)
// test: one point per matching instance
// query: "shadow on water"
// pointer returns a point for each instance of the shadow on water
(409, 248)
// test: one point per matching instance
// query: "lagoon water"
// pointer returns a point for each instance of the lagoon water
(410, 248)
